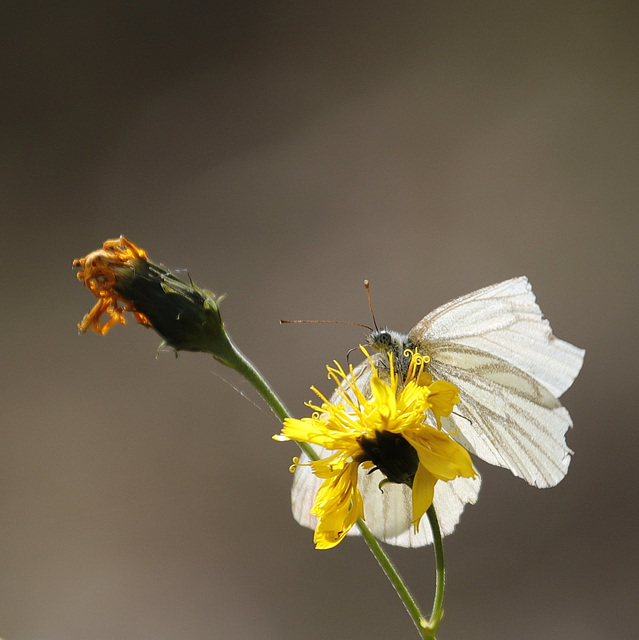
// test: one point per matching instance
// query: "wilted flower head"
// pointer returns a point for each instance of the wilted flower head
(386, 431)
(123, 280)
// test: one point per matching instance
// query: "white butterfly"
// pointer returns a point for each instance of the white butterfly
(495, 346)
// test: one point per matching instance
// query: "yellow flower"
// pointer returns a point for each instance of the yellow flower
(123, 279)
(388, 431)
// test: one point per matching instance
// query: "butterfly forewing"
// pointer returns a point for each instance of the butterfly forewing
(505, 321)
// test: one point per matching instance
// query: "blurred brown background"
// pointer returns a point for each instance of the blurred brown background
(283, 152)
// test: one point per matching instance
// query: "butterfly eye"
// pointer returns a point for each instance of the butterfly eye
(382, 338)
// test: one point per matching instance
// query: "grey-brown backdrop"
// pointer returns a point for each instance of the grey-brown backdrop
(283, 152)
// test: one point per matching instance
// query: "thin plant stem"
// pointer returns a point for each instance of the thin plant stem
(235, 359)
(238, 361)
(440, 571)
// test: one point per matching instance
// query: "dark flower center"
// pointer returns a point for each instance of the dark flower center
(392, 455)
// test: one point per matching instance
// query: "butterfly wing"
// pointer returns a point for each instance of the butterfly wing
(388, 511)
(497, 348)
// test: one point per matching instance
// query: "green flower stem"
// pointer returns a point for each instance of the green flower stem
(426, 628)
(234, 358)
(440, 569)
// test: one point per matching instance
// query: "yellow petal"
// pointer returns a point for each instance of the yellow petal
(338, 505)
(441, 455)
(423, 491)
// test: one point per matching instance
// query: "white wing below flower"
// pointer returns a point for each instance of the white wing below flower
(388, 511)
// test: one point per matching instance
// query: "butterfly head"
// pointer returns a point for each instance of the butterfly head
(385, 342)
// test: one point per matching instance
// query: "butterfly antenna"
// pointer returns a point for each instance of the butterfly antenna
(355, 324)
(370, 304)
